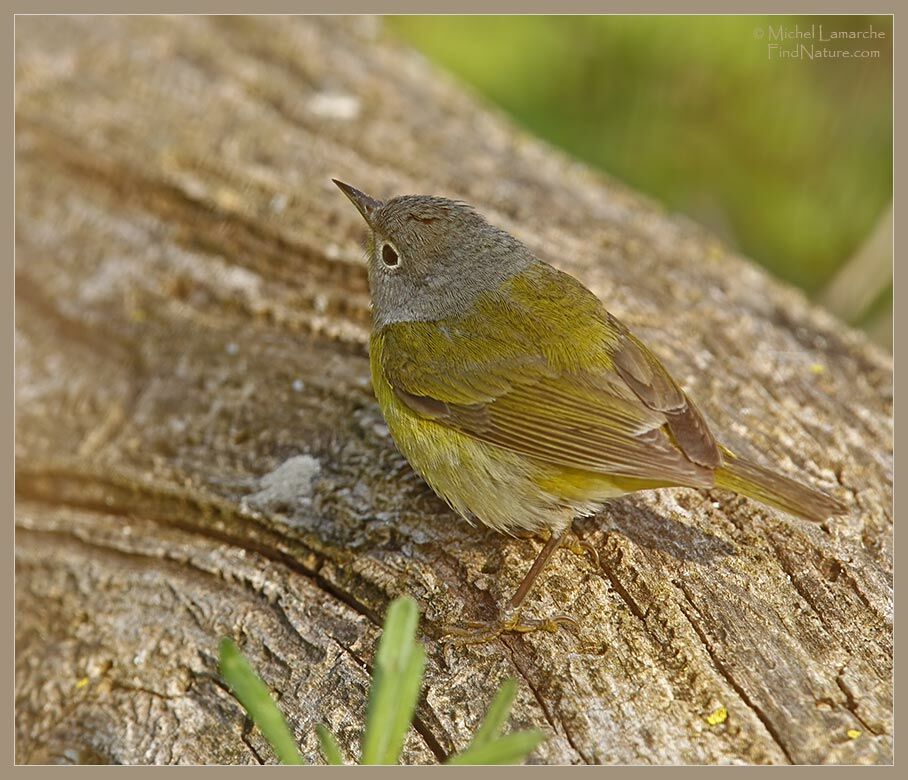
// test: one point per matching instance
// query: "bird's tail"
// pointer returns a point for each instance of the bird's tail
(767, 487)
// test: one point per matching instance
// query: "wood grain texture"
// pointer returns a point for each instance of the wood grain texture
(192, 313)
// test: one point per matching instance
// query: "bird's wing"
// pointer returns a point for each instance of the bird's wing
(654, 387)
(620, 413)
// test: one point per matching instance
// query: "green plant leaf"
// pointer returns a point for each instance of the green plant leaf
(497, 714)
(256, 699)
(509, 749)
(410, 684)
(396, 681)
(330, 749)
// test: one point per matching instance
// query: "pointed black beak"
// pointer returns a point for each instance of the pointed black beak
(364, 204)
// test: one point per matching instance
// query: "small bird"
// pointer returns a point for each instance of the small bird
(518, 398)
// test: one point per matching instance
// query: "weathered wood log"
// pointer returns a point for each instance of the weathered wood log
(199, 453)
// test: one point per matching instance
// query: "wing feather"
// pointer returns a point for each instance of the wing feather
(654, 386)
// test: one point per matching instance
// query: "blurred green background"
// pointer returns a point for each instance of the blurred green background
(789, 160)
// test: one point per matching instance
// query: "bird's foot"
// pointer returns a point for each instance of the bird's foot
(480, 632)
(578, 546)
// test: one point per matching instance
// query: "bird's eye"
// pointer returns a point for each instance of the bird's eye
(389, 256)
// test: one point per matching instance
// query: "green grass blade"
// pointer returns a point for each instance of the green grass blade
(497, 714)
(509, 749)
(396, 680)
(256, 699)
(330, 749)
(407, 697)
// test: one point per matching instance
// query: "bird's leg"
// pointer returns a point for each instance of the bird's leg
(511, 622)
(542, 559)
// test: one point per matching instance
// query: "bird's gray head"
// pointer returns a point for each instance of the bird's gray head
(432, 257)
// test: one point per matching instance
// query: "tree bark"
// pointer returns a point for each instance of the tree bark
(199, 453)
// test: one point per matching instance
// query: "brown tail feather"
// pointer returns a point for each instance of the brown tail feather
(773, 489)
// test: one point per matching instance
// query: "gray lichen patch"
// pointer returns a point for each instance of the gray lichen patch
(287, 487)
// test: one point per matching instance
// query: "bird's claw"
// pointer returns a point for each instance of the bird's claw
(582, 548)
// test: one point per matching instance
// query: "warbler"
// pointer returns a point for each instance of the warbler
(512, 391)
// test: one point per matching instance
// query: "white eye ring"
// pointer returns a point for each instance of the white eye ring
(389, 255)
